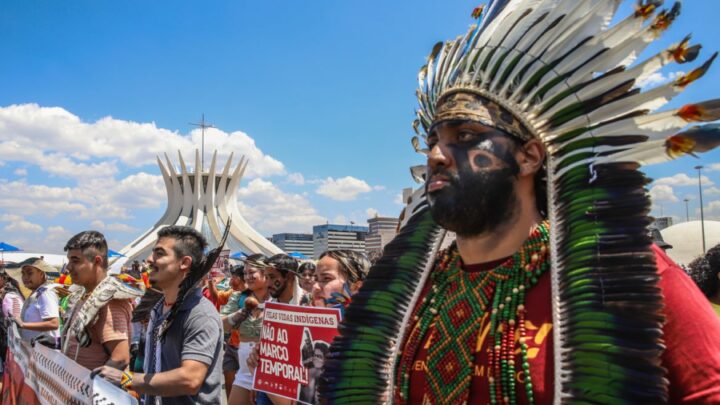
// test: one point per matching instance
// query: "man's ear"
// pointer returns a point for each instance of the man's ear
(355, 287)
(185, 263)
(531, 158)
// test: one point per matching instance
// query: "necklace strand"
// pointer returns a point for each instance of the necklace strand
(500, 291)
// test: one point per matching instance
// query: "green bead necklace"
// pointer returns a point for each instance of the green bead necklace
(500, 291)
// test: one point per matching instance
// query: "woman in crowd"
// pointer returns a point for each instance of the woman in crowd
(339, 274)
(307, 276)
(12, 299)
(12, 302)
(249, 324)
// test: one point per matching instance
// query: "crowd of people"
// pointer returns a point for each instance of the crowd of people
(551, 291)
(194, 337)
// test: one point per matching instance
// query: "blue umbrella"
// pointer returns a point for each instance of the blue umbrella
(297, 255)
(112, 254)
(4, 247)
(238, 255)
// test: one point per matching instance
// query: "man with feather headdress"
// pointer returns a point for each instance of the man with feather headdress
(552, 292)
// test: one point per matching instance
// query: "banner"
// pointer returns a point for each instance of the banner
(42, 376)
(293, 346)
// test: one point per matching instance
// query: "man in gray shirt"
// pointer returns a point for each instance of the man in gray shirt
(184, 341)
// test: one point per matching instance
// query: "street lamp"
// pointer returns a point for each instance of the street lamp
(687, 210)
(702, 215)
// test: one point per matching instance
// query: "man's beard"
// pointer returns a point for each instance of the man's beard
(473, 203)
(278, 288)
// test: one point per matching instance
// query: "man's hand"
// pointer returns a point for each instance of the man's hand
(109, 373)
(62, 291)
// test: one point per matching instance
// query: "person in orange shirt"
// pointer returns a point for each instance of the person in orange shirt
(232, 300)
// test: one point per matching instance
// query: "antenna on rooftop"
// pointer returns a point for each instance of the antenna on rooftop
(202, 125)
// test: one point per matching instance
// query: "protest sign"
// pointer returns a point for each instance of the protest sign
(42, 376)
(293, 346)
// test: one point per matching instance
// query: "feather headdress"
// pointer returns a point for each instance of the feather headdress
(558, 72)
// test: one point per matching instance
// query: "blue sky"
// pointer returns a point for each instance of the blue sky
(320, 95)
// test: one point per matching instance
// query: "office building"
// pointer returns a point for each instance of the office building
(331, 236)
(662, 222)
(295, 242)
(381, 231)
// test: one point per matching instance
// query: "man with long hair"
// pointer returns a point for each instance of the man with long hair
(183, 350)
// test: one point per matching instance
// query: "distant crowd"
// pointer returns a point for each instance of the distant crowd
(165, 327)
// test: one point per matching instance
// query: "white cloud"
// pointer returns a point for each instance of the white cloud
(682, 179)
(91, 199)
(55, 239)
(10, 218)
(270, 210)
(657, 78)
(21, 172)
(140, 190)
(97, 224)
(371, 212)
(378, 188)
(399, 199)
(711, 212)
(663, 192)
(340, 220)
(713, 167)
(711, 191)
(22, 226)
(343, 189)
(22, 198)
(296, 179)
(60, 143)
(123, 228)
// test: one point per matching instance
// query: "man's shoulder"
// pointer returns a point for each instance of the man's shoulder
(205, 309)
(119, 307)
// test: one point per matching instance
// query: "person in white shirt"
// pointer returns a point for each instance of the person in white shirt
(40, 314)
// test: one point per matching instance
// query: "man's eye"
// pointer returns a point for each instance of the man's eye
(466, 136)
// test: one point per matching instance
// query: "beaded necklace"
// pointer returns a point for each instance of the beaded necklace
(453, 305)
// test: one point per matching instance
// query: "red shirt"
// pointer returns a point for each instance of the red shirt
(206, 294)
(692, 336)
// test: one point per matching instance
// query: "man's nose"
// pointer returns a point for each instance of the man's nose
(438, 156)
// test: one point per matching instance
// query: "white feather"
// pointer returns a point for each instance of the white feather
(524, 33)
(645, 154)
(628, 28)
(600, 86)
(655, 126)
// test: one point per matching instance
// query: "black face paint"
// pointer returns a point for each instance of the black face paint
(277, 287)
(480, 196)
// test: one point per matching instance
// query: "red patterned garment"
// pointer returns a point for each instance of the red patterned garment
(692, 334)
